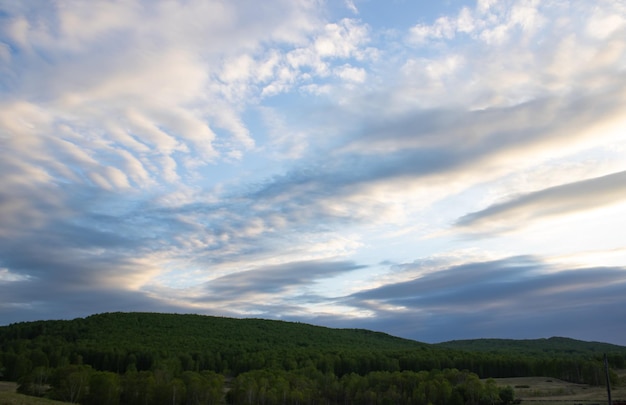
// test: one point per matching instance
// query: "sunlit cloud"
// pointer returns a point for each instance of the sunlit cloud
(558, 200)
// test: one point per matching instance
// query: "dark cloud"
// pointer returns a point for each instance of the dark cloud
(519, 297)
(81, 255)
(277, 279)
(559, 200)
(56, 298)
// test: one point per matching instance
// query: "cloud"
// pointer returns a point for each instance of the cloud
(272, 291)
(351, 74)
(135, 102)
(564, 199)
(424, 148)
(34, 300)
(351, 6)
(142, 81)
(278, 279)
(513, 297)
(541, 58)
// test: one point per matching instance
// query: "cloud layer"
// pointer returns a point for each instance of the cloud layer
(317, 162)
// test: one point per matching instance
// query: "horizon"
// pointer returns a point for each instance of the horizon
(445, 169)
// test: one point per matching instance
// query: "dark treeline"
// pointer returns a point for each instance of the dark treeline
(139, 358)
(82, 384)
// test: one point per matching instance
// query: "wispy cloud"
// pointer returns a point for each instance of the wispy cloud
(564, 199)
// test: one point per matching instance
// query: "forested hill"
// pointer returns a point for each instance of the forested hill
(554, 345)
(198, 333)
(143, 341)
(145, 357)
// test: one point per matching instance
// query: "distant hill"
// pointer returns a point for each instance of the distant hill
(554, 345)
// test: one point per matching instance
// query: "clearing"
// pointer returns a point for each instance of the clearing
(552, 391)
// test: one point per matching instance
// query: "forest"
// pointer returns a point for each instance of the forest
(151, 358)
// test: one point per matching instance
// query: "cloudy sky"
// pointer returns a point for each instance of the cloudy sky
(435, 170)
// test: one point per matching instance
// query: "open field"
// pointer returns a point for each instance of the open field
(8, 396)
(551, 391)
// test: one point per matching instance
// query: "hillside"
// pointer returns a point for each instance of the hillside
(196, 332)
(114, 341)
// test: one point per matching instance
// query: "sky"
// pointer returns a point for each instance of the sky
(435, 170)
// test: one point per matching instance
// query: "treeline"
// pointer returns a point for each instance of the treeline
(125, 350)
(449, 386)
(18, 358)
(84, 385)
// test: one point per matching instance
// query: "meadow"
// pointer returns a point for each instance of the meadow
(8, 396)
(552, 391)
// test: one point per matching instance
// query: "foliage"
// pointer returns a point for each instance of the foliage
(449, 386)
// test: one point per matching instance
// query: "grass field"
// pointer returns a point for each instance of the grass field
(551, 391)
(8, 396)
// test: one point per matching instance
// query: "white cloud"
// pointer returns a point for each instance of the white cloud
(142, 81)
(351, 6)
(351, 74)
(465, 21)
(605, 23)
(443, 28)
(341, 39)
(7, 276)
(512, 55)
(484, 5)
(81, 24)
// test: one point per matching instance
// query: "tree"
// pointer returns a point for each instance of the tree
(35, 383)
(507, 395)
(203, 388)
(491, 393)
(138, 388)
(19, 365)
(472, 389)
(70, 383)
(104, 388)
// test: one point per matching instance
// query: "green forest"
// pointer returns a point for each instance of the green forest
(150, 358)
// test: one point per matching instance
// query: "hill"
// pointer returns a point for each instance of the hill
(117, 341)
(113, 341)
(197, 332)
(554, 345)
(190, 332)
